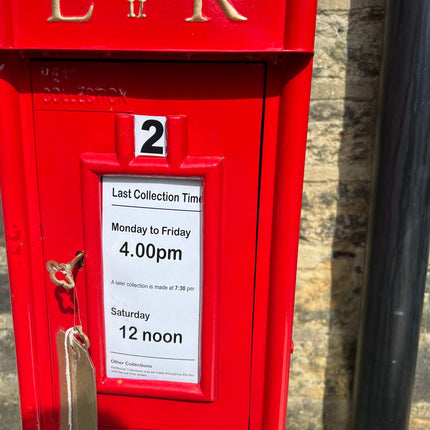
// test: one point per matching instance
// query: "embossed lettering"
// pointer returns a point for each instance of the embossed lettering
(140, 13)
(58, 16)
(84, 95)
(228, 9)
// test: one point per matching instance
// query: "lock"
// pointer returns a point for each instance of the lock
(171, 154)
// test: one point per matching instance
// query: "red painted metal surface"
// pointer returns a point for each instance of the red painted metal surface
(212, 109)
(237, 120)
(286, 217)
(105, 25)
(177, 165)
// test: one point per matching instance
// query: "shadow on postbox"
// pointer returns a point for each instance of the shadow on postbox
(165, 141)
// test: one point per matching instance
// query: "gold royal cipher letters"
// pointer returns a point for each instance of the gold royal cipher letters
(57, 15)
(228, 9)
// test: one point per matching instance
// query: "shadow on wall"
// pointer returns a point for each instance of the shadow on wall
(363, 55)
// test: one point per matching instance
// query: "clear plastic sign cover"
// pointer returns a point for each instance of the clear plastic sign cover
(152, 277)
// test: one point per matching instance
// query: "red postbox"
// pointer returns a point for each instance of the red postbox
(165, 141)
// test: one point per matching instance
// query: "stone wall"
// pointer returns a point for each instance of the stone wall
(333, 234)
(335, 208)
(9, 397)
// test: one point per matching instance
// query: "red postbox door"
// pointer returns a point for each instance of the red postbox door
(75, 104)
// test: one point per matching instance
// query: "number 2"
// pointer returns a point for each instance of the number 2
(148, 146)
(150, 136)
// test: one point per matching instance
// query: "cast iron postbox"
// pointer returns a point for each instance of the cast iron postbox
(165, 141)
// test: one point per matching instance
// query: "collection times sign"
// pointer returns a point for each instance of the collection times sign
(152, 277)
